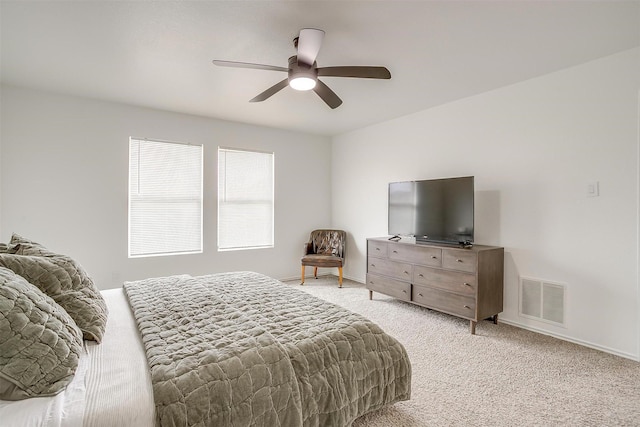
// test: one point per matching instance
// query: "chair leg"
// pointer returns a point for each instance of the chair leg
(302, 282)
(340, 277)
(315, 272)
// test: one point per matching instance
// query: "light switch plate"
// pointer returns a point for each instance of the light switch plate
(593, 189)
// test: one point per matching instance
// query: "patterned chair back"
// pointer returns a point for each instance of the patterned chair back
(328, 242)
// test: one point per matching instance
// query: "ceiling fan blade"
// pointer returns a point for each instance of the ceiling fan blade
(248, 65)
(271, 91)
(327, 95)
(309, 43)
(355, 71)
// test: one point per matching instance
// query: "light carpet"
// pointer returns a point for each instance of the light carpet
(503, 376)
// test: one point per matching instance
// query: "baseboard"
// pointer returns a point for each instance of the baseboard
(310, 276)
(605, 349)
(307, 276)
(353, 279)
(634, 357)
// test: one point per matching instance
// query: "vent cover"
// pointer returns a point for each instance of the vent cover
(542, 300)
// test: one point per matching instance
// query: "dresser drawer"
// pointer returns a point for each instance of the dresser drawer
(385, 285)
(445, 301)
(459, 259)
(377, 249)
(453, 281)
(424, 255)
(385, 267)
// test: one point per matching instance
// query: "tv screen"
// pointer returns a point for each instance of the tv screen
(435, 210)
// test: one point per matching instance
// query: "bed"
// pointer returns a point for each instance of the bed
(226, 349)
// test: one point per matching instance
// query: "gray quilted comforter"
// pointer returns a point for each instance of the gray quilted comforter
(242, 349)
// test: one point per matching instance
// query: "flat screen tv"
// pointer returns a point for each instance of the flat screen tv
(434, 210)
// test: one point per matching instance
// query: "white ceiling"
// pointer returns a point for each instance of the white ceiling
(158, 54)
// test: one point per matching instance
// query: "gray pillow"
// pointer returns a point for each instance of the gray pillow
(64, 280)
(23, 246)
(39, 342)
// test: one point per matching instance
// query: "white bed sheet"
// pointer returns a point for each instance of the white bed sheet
(112, 385)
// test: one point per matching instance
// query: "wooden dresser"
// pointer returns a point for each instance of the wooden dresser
(466, 283)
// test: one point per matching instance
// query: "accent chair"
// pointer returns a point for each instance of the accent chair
(325, 248)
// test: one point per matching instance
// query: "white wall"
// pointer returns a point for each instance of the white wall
(64, 178)
(532, 148)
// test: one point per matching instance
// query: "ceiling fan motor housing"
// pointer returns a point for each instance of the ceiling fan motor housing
(301, 70)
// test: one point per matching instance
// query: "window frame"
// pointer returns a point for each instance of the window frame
(199, 199)
(272, 201)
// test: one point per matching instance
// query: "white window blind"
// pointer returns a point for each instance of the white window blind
(165, 198)
(245, 199)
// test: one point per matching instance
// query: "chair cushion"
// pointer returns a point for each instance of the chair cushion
(322, 260)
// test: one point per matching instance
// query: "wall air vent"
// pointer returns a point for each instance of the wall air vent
(542, 300)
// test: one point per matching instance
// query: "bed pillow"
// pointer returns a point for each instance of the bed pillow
(64, 280)
(23, 246)
(40, 344)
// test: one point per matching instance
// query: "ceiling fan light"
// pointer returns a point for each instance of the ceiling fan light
(302, 83)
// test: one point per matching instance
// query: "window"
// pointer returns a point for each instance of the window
(245, 199)
(165, 198)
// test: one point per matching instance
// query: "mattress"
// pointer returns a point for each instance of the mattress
(112, 385)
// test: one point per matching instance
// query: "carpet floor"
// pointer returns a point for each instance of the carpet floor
(503, 376)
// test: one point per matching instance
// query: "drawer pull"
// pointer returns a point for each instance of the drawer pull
(373, 265)
(406, 272)
(466, 284)
(434, 257)
(466, 306)
(459, 260)
(377, 249)
(395, 252)
(404, 291)
(420, 295)
(420, 275)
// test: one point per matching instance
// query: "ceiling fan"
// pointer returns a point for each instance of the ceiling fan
(303, 71)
